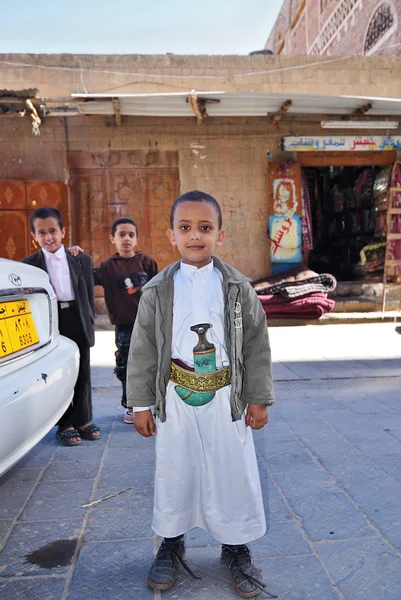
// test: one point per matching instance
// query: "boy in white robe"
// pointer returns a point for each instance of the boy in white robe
(206, 469)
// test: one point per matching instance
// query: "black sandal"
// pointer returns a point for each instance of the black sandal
(89, 432)
(65, 437)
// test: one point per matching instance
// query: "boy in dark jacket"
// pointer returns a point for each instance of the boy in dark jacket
(72, 281)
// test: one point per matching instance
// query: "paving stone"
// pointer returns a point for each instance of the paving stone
(287, 454)
(129, 456)
(379, 448)
(282, 539)
(68, 471)
(130, 439)
(351, 467)
(297, 578)
(81, 453)
(39, 456)
(5, 527)
(120, 523)
(274, 505)
(306, 370)
(130, 498)
(15, 487)
(390, 463)
(28, 537)
(293, 578)
(119, 476)
(378, 497)
(115, 570)
(34, 588)
(58, 500)
(282, 373)
(367, 569)
(300, 483)
(330, 515)
(275, 431)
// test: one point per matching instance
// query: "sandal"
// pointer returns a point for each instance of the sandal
(89, 432)
(65, 437)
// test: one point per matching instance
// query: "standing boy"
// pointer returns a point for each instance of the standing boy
(122, 277)
(206, 469)
(72, 281)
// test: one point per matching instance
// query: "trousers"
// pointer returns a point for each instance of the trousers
(123, 341)
(80, 410)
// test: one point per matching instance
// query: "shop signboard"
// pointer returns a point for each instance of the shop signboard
(285, 211)
(347, 143)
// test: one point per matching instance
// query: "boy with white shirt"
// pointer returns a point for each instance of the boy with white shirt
(206, 469)
(72, 281)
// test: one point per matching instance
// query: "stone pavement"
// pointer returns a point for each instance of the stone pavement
(330, 466)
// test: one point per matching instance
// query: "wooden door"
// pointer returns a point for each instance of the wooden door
(17, 200)
(124, 184)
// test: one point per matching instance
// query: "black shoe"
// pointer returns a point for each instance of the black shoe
(244, 576)
(164, 571)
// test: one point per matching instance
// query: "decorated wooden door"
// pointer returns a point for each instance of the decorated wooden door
(17, 200)
(138, 185)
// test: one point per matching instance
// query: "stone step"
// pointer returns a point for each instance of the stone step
(365, 289)
(362, 304)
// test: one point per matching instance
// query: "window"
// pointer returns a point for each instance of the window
(382, 21)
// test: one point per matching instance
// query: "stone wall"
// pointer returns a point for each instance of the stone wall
(334, 27)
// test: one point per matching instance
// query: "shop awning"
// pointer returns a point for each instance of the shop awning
(234, 104)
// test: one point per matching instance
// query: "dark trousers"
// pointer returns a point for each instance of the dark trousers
(123, 341)
(80, 410)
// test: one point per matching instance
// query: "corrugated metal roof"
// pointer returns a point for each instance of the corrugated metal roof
(234, 104)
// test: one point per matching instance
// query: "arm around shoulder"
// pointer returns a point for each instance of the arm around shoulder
(87, 265)
(258, 380)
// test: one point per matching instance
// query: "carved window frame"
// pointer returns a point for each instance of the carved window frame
(386, 34)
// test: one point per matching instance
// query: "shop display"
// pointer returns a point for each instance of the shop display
(348, 216)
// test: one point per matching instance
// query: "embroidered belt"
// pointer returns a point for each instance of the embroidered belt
(200, 382)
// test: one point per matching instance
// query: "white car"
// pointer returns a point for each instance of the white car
(38, 366)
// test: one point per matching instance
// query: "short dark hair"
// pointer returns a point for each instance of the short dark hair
(121, 222)
(196, 196)
(44, 213)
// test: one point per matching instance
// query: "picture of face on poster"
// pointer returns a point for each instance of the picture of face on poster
(284, 197)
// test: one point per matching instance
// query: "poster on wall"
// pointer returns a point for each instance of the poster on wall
(285, 215)
(347, 143)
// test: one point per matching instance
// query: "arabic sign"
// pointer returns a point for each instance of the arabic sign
(286, 238)
(345, 143)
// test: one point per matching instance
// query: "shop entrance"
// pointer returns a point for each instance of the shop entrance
(347, 200)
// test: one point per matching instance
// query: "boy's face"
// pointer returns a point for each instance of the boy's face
(196, 232)
(125, 240)
(48, 234)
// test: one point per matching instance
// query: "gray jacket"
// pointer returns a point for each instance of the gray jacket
(246, 339)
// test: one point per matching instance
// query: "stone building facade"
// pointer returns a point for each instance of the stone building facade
(96, 169)
(337, 28)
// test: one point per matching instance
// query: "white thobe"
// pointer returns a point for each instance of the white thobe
(206, 469)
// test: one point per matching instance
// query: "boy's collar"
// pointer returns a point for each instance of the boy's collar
(191, 270)
(60, 253)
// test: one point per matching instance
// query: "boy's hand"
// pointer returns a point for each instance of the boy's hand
(144, 423)
(75, 250)
(256, 416)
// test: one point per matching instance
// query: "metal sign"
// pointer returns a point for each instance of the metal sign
(351, 143)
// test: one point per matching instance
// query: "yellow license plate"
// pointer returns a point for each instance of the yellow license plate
(17, 327)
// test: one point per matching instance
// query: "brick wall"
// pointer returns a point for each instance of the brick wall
(349, 37)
